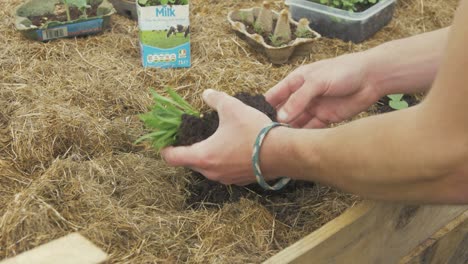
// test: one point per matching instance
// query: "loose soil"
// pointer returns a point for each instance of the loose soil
(382, 105)
(60, 15)
(206, 193)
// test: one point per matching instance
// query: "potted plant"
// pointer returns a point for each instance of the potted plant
(349, 20)
(173, 121)
(272, 33)
(51, 19)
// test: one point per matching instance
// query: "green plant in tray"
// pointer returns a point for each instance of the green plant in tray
(82, 5)
(396, 101)
(276, 41)
(162, 2)
(303, 33)
(258, 28)
(165, 118)
(350, 5)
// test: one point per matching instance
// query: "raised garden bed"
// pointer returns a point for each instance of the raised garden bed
(51, 19)
(68, 162)
(348, 25)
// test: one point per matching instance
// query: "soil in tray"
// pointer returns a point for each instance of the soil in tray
(61, 15)
(382, 105)
(210, 193)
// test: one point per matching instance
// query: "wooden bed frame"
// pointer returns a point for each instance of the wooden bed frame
(370, 232)
(375, 232)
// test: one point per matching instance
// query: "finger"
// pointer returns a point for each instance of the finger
(315, 123)
(182, 156)
(302, 120)
(214, 98)
(298, 101)
(281, 91)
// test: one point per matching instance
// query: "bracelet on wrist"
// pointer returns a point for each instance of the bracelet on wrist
(256, 160)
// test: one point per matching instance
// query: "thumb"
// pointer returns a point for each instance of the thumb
(186, 156)
(218, 100)
(298, 101)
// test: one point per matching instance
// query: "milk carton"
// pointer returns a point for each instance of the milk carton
(164, 32)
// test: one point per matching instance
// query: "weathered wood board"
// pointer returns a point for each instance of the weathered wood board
(71, 249)
(448, 245)
(370, 233)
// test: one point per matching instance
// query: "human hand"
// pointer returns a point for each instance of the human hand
(324, 92)
(224, 157)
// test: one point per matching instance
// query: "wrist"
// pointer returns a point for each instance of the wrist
(374, 76)
(285, 153)
(273, 153)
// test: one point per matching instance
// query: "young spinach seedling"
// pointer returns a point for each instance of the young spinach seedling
(350, 5)
(165, 118)
(258, 28)
(396, 101)
(276, 41)
(82, 5)
(162, 2)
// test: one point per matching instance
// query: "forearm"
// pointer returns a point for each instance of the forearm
(406, 65)
(391, 157)
(414, 155)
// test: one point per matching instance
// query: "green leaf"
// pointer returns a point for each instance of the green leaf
(395, 97)
(165, 101)
(398, 105)
(180, 100)
(350, 5)
(150, 135)
(165, 118)
(80, 4)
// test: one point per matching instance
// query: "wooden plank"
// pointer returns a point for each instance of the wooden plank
(370, 233)
(448, 245)
(71, 249)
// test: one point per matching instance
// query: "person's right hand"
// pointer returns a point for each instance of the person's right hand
(324, 92)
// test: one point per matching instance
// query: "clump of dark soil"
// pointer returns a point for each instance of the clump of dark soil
(204, 192)
(194, 129)
(60, 15)
(382, 105)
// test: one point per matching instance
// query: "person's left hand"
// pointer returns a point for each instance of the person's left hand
(224, 157)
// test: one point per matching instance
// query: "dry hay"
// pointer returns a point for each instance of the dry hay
(68, 119)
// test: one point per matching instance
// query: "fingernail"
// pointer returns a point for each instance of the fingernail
(282, 115)
(207, 92)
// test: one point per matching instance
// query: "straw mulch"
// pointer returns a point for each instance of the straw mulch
(68, 119)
